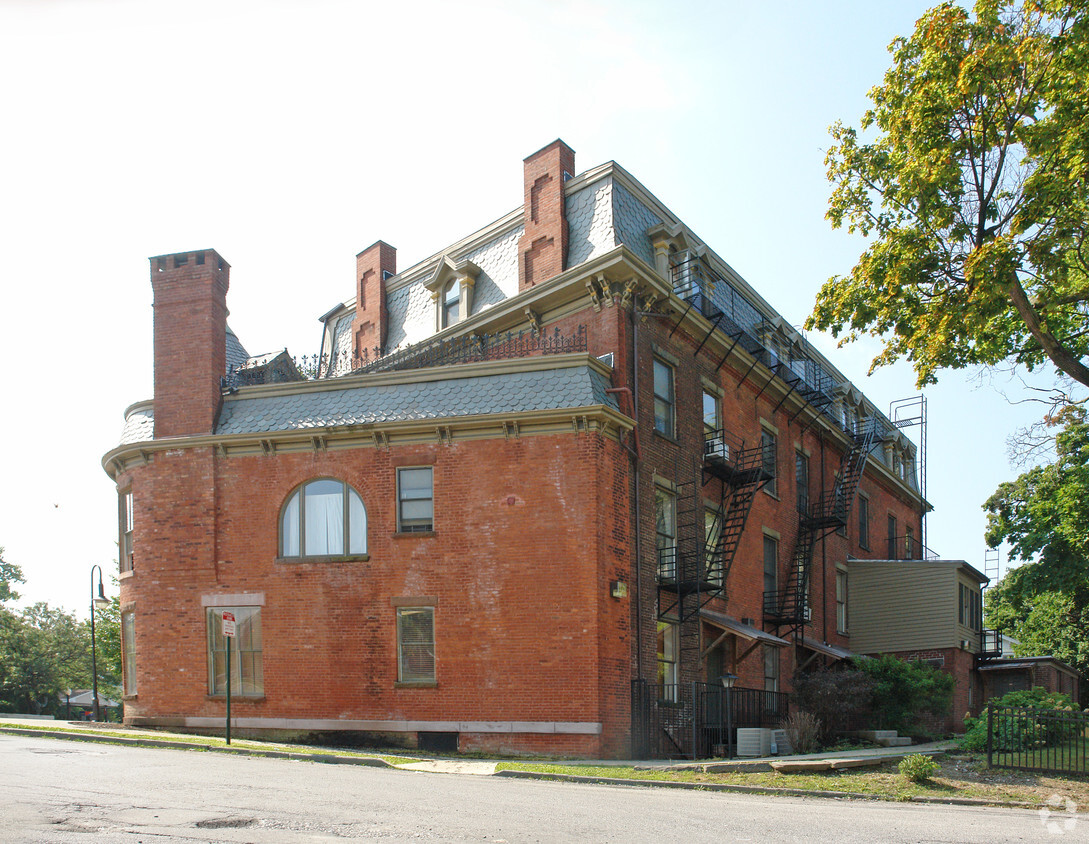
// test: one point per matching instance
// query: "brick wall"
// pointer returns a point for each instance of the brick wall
(544, 536)
(967, 691)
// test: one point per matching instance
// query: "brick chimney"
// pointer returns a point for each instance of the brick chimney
(542, 250)
(190, 301)
(373, 266)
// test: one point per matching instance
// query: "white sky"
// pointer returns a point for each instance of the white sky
(290, 134)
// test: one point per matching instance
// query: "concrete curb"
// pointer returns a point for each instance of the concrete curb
(758, 789)
(374, 762)
(328, 759)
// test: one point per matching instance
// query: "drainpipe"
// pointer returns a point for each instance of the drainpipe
(637, 462)
(824, 555)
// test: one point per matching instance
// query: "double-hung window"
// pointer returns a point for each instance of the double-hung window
(665, 522)
(771, 668)
(841, 601)
(714, 442)
(416, 644)
(771, 572)
(769, 455)
(415, 500)
(664, 421)
(668, 647)
(126, 551)
(801, 481)
(864, 522)
(891, 550)
(128, 652)
(712, 536)
(451, 304)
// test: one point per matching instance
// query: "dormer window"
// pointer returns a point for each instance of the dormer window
(451, 304)
(451, 287)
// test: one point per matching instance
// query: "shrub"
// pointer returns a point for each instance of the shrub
(918, 767)
(903, 690)
(1013, 734)
(803, 729)
(837, 697)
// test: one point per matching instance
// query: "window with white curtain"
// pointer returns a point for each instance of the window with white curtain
(323, 518)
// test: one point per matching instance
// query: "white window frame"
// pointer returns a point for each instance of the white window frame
(416, 524)
(416, 664)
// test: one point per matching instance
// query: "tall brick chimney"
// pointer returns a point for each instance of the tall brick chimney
(542, 250)
(373, 266)
(190, 296)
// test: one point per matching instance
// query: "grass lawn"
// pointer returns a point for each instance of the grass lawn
(1072, 755)
(958, 777)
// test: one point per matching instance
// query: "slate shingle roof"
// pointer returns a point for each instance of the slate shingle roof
(139, 426)
(513, 392)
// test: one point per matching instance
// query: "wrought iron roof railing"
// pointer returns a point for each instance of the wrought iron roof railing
(428, 353)
(707, 291)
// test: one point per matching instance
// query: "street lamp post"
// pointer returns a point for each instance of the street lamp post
(728, 681)
(101, 600)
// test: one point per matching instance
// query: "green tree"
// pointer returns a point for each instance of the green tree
(970, 177)
(1044, 516)
(9, 575)
(108, 646)
(44, 651)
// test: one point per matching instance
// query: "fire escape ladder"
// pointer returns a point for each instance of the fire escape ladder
(789, 607)
(741, 473)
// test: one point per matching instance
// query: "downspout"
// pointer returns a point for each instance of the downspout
(633, 394)
(824, 554)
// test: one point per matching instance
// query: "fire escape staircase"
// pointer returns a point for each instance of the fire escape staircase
(696, 568)
(789, 607)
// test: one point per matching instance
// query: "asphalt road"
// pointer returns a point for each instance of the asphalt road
(61, 791)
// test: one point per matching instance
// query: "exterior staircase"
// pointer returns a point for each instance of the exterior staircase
(885, 738)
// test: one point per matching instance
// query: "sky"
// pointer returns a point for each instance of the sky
(290, 134)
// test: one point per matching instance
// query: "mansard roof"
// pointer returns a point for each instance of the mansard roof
(550, 383)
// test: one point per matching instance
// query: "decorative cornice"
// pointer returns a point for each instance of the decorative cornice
(600, 419)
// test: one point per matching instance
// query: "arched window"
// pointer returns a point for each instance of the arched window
(451, 304)
(323, 518)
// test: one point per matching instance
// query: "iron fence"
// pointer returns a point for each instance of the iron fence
(1046, 740)
(436, 352)
(691, 720)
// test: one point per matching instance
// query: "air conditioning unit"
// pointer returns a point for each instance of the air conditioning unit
(781, 742)
(753, 741)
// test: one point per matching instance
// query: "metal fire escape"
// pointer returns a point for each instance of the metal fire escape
(695, 568)
(789, 607)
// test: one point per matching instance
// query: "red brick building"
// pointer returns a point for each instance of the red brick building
(539, 484)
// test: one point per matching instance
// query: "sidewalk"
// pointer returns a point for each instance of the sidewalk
(140, 736)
